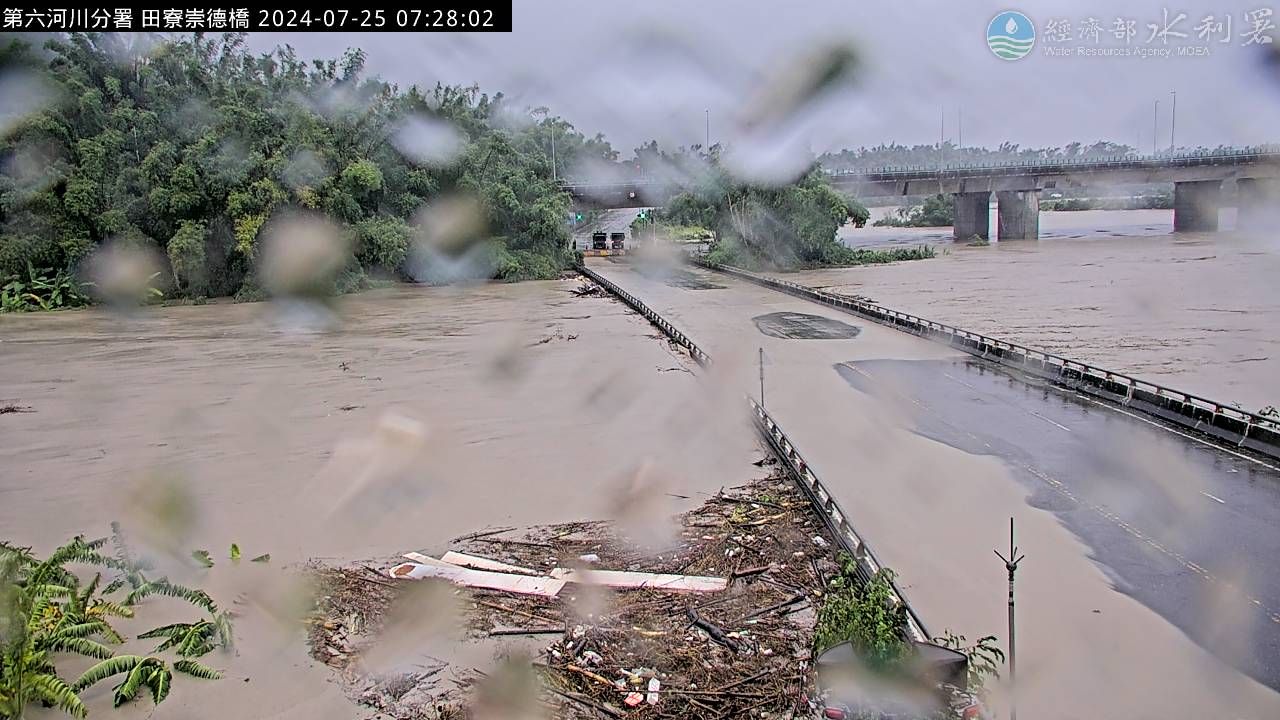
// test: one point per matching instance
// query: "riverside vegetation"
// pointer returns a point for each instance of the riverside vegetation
(48, 612)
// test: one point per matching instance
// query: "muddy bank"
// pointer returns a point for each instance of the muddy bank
(427, 412)
(1198, 312)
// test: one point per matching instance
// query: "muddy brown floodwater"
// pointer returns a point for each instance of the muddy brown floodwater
(1199, 312)
(427, 414)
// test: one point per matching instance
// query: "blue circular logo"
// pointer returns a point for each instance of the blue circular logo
(1011, 35)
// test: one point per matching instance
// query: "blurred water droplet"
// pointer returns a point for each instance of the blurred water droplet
(447, 244)
(427, 140)
(301, 255)
(22, 93)
(125, 273)
(305, 169)
(424, 621)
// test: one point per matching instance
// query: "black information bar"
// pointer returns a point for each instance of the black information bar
(448, 16)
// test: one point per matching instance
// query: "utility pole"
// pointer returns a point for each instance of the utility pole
(960, 128)
(942, 134)
(761, 377)
(1155, 130)
(708, 146)
(1011, 564)
(1173, 118)
(553, 155)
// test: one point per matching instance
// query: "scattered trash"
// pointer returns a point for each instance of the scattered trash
(819, 541)
(589, 558)
(652, 696)
(634, 699)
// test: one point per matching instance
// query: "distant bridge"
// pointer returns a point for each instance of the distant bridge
(1197, 179)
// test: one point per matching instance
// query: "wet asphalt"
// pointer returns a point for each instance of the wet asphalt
(1187, 529)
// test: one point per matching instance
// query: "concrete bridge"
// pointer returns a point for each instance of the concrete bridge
(1197, 180)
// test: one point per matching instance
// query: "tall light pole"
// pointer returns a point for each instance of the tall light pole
(942, 133)
(960, 129)
(1155, 129)
(708, 146)
(1173, 118)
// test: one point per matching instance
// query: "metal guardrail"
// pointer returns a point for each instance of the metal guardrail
(1226, 423)
(835, 518)
(823, 502)
(658, 321)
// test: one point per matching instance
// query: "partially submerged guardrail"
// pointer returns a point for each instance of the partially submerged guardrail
(658, 321)
(833, 516)
(1225, 423)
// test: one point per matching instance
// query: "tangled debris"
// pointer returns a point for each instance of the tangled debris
(646, 653)
(589, 289)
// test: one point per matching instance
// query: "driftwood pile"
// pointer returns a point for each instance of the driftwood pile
(741, 652)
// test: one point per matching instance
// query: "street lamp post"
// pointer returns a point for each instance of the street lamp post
(1173, 118)
(1155, 129)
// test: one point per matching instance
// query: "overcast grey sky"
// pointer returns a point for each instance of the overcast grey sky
(636, 71)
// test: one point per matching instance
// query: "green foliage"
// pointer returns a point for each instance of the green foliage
(195, 146)
(937, 211)
(41, 290)
(186, 256)
(785, 226)
(865, 615)
(46, 610)
(1160, 200)
(930, 155)
(382, 242)
(517, 265)
(985, 657)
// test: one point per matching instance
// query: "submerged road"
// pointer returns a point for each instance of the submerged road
(1149, 588)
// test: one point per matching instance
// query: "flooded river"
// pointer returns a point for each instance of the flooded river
(1198, 312)
(428, 414)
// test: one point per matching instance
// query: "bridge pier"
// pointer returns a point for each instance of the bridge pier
(972, 215)
(1195, 205)
(1258, 203)
(1018, 215)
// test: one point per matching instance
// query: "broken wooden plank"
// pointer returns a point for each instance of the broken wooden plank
(527, 631)
(635, 580)
(482, 563)
(520, 584)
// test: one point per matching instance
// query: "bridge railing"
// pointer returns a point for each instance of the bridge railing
(1180, 159)
(1226, 423)
(820, 498)
(1233, 156)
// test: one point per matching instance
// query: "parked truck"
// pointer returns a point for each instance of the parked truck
(599, 241)
(618, 240)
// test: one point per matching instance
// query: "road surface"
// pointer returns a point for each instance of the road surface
(1148, 590)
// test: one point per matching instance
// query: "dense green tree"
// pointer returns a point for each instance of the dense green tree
(192, 144)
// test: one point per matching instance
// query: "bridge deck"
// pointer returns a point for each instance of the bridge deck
(931, 455)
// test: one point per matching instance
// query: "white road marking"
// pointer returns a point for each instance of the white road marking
(1064, 427)
(1213, 497)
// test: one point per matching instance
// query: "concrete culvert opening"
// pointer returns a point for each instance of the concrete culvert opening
(803, 326)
